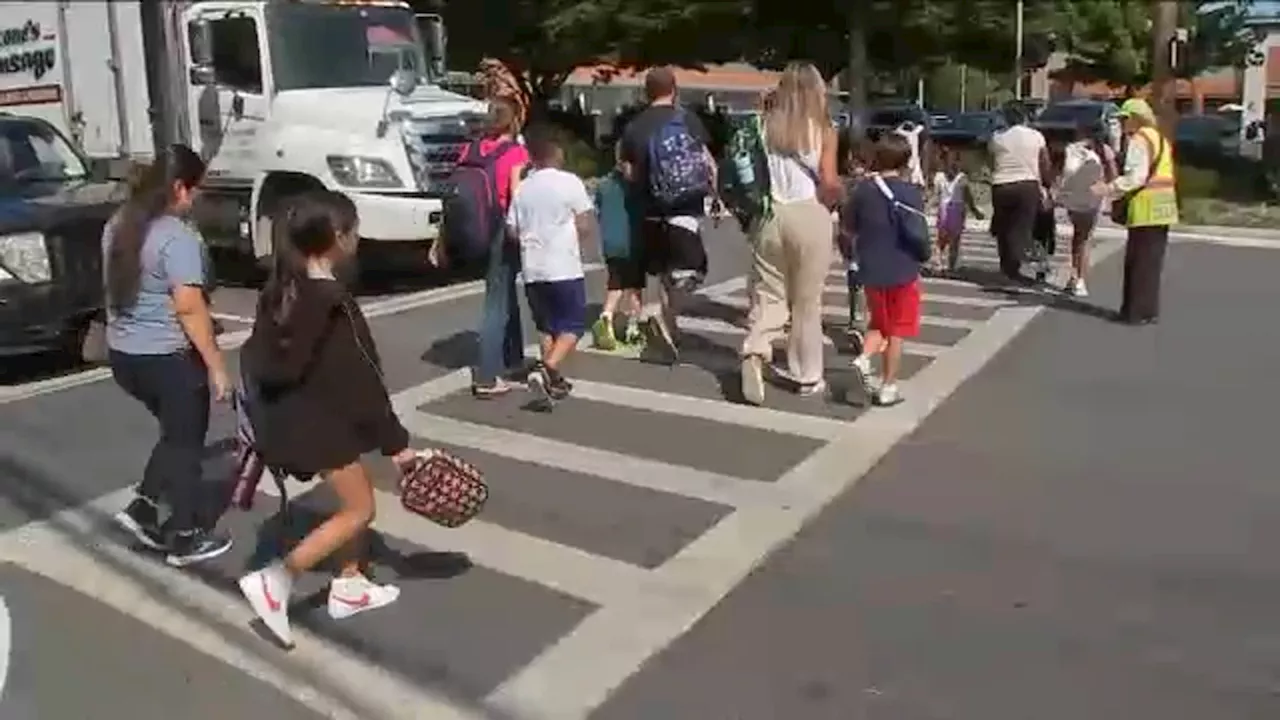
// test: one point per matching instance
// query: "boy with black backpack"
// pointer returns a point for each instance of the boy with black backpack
(672, 173)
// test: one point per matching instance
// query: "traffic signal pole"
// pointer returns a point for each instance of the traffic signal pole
(1017, 53)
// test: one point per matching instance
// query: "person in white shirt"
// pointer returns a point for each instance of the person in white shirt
(550, 217)
(1088, 161)
(1020, 172)
(912, 132)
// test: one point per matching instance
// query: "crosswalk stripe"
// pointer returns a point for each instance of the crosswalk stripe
(584, 460)
(760, 418)
(73, 549)
(720, 327)
(841, 311)
(595, 578)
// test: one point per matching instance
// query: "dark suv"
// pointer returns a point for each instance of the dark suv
(51, 217)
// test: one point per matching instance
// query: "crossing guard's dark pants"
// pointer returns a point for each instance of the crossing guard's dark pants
(1144, 252)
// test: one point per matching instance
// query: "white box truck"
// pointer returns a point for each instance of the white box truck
(279, 95)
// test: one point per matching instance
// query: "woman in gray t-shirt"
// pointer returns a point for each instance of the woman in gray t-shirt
(163, 353)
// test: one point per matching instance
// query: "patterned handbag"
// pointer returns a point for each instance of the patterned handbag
(443, 488)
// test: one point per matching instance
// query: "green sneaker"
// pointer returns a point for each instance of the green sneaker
(602, 334)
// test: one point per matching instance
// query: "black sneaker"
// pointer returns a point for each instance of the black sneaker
(192, 547)
(540, 387)
(141, 519)
(659, 346)
(559, 388)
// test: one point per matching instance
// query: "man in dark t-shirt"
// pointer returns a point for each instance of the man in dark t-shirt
(669, 241)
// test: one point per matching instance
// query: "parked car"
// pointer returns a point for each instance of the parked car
(887, 117)
(1060, 121)
(968, 128)
(52, 212)
(1207, 137)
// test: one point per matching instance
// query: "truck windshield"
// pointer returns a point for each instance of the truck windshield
(316, 45)
(32, 152)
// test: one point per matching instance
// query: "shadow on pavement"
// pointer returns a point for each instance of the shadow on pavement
(34, 492)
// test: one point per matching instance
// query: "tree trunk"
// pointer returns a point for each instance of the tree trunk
(1164, 25)
(858, 72)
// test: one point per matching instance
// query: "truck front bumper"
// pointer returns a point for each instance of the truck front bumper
(398, 218)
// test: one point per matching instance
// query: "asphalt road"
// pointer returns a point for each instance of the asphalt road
(1066, 519)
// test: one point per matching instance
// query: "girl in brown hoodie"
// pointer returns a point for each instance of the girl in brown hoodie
(321, 400)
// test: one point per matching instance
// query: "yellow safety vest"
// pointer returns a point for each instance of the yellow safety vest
(1157, 202)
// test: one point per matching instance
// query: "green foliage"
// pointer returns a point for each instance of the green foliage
(1110, 40)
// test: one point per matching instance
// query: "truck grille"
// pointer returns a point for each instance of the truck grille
(434, 146)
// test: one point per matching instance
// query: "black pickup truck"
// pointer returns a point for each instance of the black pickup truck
(52, 211)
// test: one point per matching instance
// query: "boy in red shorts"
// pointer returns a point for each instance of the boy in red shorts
(888, 269)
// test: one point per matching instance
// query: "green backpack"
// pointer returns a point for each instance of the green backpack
(744, 174)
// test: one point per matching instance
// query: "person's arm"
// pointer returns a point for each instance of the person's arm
(182, 262)
(584, 215)
(829, 189)
(971, 200)
(517, 169)
(1137, 162)
(629, 153)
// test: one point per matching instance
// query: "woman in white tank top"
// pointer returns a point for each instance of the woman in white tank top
(791, 252)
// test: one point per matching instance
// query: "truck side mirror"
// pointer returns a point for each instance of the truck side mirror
(200, 35)
(202, 75)
(435, 39)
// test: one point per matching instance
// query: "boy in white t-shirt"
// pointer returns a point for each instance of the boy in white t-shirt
(551, 215)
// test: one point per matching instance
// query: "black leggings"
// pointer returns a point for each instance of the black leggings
(175, 390)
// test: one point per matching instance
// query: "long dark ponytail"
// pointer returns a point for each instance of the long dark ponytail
(151, 193)
(304, 226)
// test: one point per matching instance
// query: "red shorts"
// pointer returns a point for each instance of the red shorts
(895, 311)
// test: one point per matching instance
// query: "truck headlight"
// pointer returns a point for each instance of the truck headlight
(365, 172)
(24, 257)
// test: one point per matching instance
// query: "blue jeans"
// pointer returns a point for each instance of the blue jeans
(501, 334)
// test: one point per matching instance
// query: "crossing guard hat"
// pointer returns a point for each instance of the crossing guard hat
(1137, 107)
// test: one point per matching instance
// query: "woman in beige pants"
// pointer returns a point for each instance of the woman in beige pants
(792, 251)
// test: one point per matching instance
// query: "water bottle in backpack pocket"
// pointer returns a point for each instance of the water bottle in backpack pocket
(744, 175)
(678, 168)
(472, 212)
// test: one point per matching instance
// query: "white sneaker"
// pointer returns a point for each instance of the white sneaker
(1078, 289)
(353, 595)
(862, 371)
(267, 591)
(888, 396)
(753, 380)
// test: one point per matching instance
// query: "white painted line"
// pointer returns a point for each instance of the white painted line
(1224, 241)
(6, 644)
(711, 325)
(973, 302)
(759, 418)
(597, 579)
(233, 340)
(638, 472)
(224, 317)
(578, 673)
(842, 311)
(317, 673)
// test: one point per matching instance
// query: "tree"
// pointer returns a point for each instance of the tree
(533, 45)
(1110, 40)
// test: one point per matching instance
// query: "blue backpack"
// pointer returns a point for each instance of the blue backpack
(678, 170)
(472, 214)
